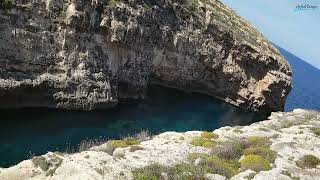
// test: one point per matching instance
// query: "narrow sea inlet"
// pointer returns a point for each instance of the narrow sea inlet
(28, 132)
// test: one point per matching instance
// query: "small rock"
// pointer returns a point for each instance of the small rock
(119, 153)
(244, 175)
(214, 177)
(164, 176)
(197, 161)
(271, 175)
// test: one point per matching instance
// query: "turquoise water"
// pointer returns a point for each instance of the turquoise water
(29, 132)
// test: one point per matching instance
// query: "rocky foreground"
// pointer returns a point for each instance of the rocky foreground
(89, 54)
(287, 146)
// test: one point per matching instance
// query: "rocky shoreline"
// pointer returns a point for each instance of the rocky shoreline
(289, 141)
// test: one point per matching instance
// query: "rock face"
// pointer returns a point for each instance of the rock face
(87, 54)
(290, 134)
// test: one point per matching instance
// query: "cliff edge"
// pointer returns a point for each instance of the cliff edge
(285, 147)
(77, 54)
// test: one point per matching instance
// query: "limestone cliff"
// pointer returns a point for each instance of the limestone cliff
(87, 54)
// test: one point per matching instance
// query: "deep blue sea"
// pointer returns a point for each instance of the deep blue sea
(28, 132)
(306, 84)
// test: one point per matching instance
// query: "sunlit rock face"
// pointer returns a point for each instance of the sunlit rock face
(88, 54)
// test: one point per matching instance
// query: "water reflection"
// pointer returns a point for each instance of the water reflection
(41, 130)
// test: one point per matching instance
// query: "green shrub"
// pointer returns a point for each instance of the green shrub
(199, 141)
(239, 131)
(124, 143)
(287, 173)
(215, 165)
(118, 144)
(144, 176)
(131, 141)
(255, 163)
(135, 148)
(242, 143)
(209, 135)
(256, 141)
(180, 171)
(40, 161)
(6, 4)
(111, 145)
(267, 153)
(186, 171)
(107, 147)
(193, 156)
(316, 130)
(251, 175)
(228, 150)
(181, 138)
(223, 159)
(308, 161)
(50, 165)
(264, 129)
(150, 172)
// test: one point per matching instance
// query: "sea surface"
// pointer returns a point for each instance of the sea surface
(28, 132)
(305, 82)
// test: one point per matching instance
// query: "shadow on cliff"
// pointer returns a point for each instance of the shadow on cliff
(306, 83)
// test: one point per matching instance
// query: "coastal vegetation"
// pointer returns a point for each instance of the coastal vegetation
(209, 164)
(265, 152)
(316, 130)
(256, 163)
(135, 148)
(6, 4)
(230, 150)
(123, 143)
(110, 145)
(49, 165)
(209, 135)
(226, 158)
(206, 140)
(308, 161)
(237, 130)
(203, 142)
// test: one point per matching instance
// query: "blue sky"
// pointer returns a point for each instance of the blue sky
(296, 31)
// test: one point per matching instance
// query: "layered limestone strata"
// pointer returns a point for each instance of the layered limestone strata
(88, 54)
(291, 137)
